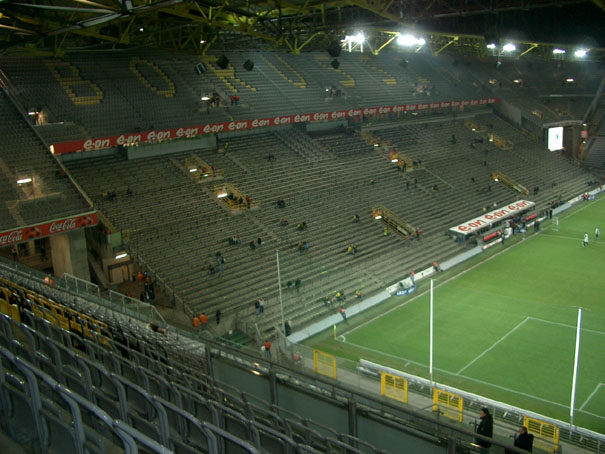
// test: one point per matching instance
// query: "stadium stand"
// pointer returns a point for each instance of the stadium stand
(324, 180)
(49, 193)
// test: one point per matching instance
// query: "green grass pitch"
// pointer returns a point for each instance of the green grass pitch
(505, 323)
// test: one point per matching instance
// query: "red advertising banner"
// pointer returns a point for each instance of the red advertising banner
(228, 126)
(493, 216)
(50, 228)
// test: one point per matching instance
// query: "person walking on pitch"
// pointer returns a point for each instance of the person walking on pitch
(585, 239)
(597, 232)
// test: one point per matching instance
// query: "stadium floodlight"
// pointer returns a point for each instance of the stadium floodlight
(121, 255)
(509, 47)
(580, 53)
(558, 51)
(491, 46)
(359, 38)
(24, 180)
(408, 40)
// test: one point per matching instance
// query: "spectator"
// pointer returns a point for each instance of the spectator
(355, 218)
(305, 246)
(261, 307)
(252, 245)
(359, 294)
(203, 319)
(211, 268)
(287, 328)
(15, 252)
(267, 348)
(485, 428)
(283, 222)
(342, 312)
(221, 263)
(524, 440)
(217, 316)
(297, 285)
(155, 327)
(196, 321)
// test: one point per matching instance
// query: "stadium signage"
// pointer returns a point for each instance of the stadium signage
(487, 219)
(213, 128)
(49, 228)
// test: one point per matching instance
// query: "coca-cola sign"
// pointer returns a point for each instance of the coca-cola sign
(239, 125)
(50, 228)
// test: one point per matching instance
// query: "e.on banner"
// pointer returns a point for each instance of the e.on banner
(228, 126)
(50, 228)
(492, 217)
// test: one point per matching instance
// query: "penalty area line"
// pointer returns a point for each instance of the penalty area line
(592, 394)
(493, 346)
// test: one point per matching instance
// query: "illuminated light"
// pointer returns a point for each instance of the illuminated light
(491, 46)
(52, 149)
(378, 217)
(141, 29)
(558, 51)
(496, 179)
(24, 180)
(193, 170)
(121, 255)
(408, 40)
(255, 372)
(205, 98)
(517, 81)
(509, 47)
(359, 38)
(581, 53)
(33, 112)
(327, 89)
(473, 129)
(491, 139)
(202, 41)
(569, 79)
(394, 160)
(222, 195)
(205, 174)
(376, 144)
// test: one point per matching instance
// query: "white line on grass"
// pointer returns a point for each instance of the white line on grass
(567, 326)
(466, 377)
(493, 346)
(462, 272)
(435, 287)
(591, 395)
(576, 238)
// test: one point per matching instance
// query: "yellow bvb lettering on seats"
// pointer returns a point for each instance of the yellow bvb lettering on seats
(72, 81)
(167, 92)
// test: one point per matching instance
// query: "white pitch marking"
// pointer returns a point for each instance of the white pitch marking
(494, 345)
(591, 395)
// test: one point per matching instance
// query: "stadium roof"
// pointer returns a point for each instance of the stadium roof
(59, 26)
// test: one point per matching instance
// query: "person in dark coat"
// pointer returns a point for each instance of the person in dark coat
(524, 440)
(485, 428)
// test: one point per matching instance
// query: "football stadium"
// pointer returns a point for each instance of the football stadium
(336, 227)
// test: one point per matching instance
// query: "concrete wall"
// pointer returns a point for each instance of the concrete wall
(69, 254)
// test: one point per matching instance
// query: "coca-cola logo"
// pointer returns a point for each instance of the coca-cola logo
(62, 226)
(11, 237)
